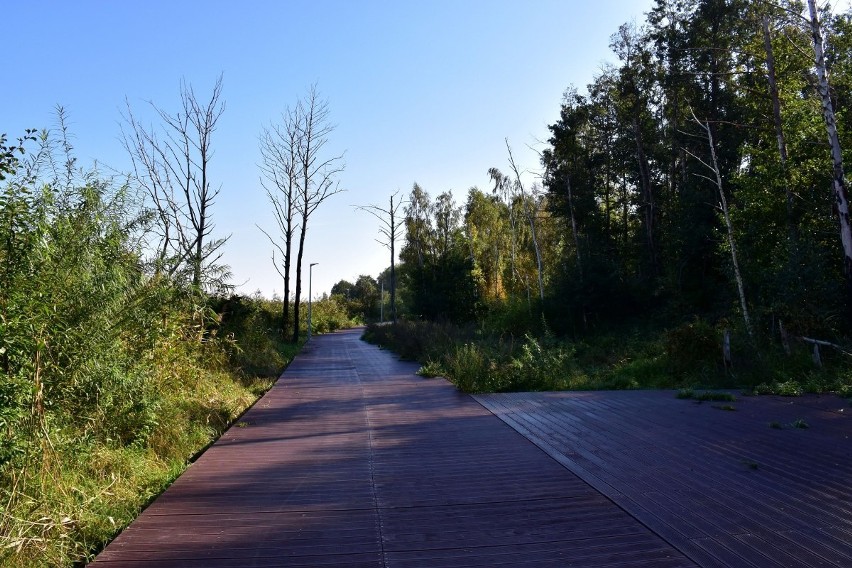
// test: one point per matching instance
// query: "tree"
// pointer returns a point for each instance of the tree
(389, 228)
(530, 210)
(174, 169)
(316, 175)
(713, 166)
(418, 225)
(279, 149)
(838, 176)
(485, 224)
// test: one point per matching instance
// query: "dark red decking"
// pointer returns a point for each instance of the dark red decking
(352, 460)
(726, 487)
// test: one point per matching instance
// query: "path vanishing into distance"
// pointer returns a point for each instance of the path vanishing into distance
(353, 460)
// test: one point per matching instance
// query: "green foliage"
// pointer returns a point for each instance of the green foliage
(112, 377)
(469, 367)
(329, 314)
(431, 369)
(693, 349)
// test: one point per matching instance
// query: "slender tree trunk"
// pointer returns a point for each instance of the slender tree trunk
(779, 130)
(839, 178)
(574, 226)
(647, 193)
(298, 282)
(285, 305)
(730, 229)
(531, 219)
(393, 260)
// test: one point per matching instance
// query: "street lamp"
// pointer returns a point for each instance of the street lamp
(310, 275)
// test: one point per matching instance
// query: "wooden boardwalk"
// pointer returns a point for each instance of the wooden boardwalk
(352, 460)
(738, 486)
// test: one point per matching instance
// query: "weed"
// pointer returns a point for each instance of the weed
(750, 464)
(788, 388)
(799, 423)
(431, 369)
(685, 393)
(775, 425)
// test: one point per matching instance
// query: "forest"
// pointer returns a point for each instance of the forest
(687, 226)
(688, 223)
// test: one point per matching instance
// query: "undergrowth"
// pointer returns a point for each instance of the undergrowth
(686, 357)
(79, 466)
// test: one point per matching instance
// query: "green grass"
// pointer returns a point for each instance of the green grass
(86, 469)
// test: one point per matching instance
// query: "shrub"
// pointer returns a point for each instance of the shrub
(693, 349)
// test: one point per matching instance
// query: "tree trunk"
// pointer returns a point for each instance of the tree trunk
(730, 229)
(839, 179)
(574, 226)
(647, 193)
(779, 131)
(298, 281)
(393, 262)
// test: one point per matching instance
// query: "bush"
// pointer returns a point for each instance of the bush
(693, 349)
(329, 314)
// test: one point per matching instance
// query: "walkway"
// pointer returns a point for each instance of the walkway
(729, 483)
(352, 460)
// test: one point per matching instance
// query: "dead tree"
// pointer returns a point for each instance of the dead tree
(389, 228)
(172, 164)
(279, 149)
(316, 175)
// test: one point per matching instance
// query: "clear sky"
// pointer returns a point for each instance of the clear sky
(422, 91)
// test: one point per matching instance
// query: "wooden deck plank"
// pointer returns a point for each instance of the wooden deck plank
(352, 460)
(723, 487)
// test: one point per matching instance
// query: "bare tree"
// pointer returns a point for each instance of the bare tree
(316, 175)
(389, 228)
(173, 165)
(279, 149)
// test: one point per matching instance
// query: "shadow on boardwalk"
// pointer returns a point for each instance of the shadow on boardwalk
(352, 460)
(729, 485)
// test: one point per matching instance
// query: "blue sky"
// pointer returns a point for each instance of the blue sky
(419, 91)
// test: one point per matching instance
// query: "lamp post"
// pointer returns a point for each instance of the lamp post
(310, 276)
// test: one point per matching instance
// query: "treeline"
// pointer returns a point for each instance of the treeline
(123, 350)
(695, 187)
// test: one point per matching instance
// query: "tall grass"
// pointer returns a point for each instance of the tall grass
(113, 376)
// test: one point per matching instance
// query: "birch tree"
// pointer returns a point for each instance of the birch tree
(713, 166)
(838, 176)
(530, 215)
